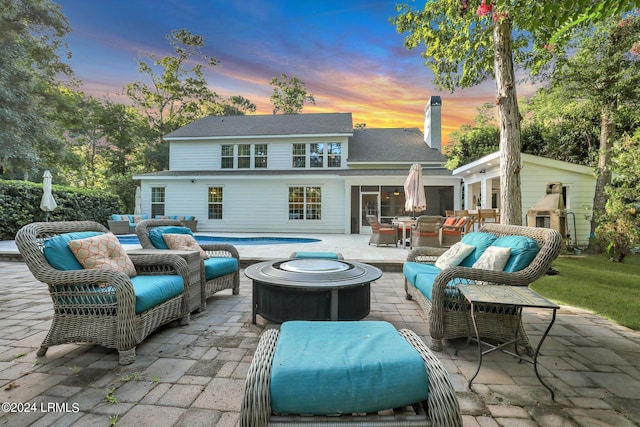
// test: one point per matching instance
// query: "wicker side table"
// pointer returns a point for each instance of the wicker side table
(195, 286)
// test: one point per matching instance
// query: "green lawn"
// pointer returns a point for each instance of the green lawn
(594, 283)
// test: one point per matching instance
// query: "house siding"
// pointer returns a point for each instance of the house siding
(255, 206)
(205, 154)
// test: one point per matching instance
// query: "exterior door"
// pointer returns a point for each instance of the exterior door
(369, 205)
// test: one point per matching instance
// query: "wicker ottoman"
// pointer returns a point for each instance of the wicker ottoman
(359, 373)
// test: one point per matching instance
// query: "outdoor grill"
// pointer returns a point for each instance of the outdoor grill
(549, 211)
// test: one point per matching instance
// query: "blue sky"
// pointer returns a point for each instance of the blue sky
(346, 52)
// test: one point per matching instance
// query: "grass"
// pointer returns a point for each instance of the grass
(593, 283)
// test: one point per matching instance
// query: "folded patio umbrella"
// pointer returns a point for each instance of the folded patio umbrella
(48, 203)
(415, 199)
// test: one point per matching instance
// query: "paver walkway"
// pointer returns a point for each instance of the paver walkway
(194, 375)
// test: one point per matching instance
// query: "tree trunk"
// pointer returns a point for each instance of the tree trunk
(509, 120)
(607, 132)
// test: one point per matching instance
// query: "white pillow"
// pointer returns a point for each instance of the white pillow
(454, 255)
(493, 258)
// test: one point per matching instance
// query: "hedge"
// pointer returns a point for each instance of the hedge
(20, 205)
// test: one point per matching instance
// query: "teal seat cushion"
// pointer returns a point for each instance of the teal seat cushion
(523, 251)
(155, 234)
(481, 241)
(412, 269)
(57, 253)
(153, 290)
(344, 367)
(424, 283)
(323, 255)
(216, 267)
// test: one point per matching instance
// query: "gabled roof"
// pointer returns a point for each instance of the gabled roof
(266, 125)
(392, 145)
(493, 161)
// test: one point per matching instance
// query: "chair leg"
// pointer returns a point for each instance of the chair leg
(42, 351)
(436, 344)
(127, 357)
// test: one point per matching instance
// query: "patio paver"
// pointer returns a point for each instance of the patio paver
(194, 374)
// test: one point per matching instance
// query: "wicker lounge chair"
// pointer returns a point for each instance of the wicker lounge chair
(446, 315)
(440, 409)
(98, 306)
(214, 250)
(426, 232)
(452, 233)
(382, 235)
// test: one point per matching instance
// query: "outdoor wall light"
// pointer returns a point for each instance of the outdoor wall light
(396, 192)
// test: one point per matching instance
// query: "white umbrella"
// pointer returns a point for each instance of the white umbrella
(48, 203)
(415, 199)
(138, 208)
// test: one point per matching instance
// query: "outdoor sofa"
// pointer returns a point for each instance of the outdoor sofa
(531, 252)
(124, 224)
(189, 221)
(100, 294)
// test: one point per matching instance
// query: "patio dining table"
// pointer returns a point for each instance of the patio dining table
(404, 224)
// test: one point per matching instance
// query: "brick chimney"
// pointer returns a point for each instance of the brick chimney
(433, 123)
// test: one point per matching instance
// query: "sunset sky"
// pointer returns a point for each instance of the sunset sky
(347, 53)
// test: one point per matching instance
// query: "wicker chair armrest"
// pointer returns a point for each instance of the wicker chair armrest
(173, 264)
(444, 409)
(256, 402)
(221, 250)
(425, 254)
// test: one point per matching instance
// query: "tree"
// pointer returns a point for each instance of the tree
(464, 46)
(619, 228)
(31, 33)
(604, 72)
(178, 93)
(289, 95)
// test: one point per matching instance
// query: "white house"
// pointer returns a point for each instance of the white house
(294, 173)
(482, 188)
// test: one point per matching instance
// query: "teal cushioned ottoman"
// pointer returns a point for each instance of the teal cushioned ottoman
(153, 290)
(323, 368)
(155, 234)
(314, 255)
(216, 267)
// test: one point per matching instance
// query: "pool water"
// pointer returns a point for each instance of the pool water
(133, 240)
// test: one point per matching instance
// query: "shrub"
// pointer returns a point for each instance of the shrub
(20, 205)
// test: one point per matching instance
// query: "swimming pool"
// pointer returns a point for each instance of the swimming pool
(252, 241)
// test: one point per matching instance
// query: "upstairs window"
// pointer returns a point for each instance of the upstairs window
(316, 155)
(299, 155)
(244, 156)
(334, 155)
(260, 156)
(226, 157)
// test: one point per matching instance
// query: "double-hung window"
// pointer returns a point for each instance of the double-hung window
(157, 201)
(260, 156)
(226, 156)
(215, 203)
(305, 203)
(244, 156)
(317, 155)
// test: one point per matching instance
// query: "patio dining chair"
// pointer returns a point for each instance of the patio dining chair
(220, 266)
(427, 231)
(100, 294)
(382, 234)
